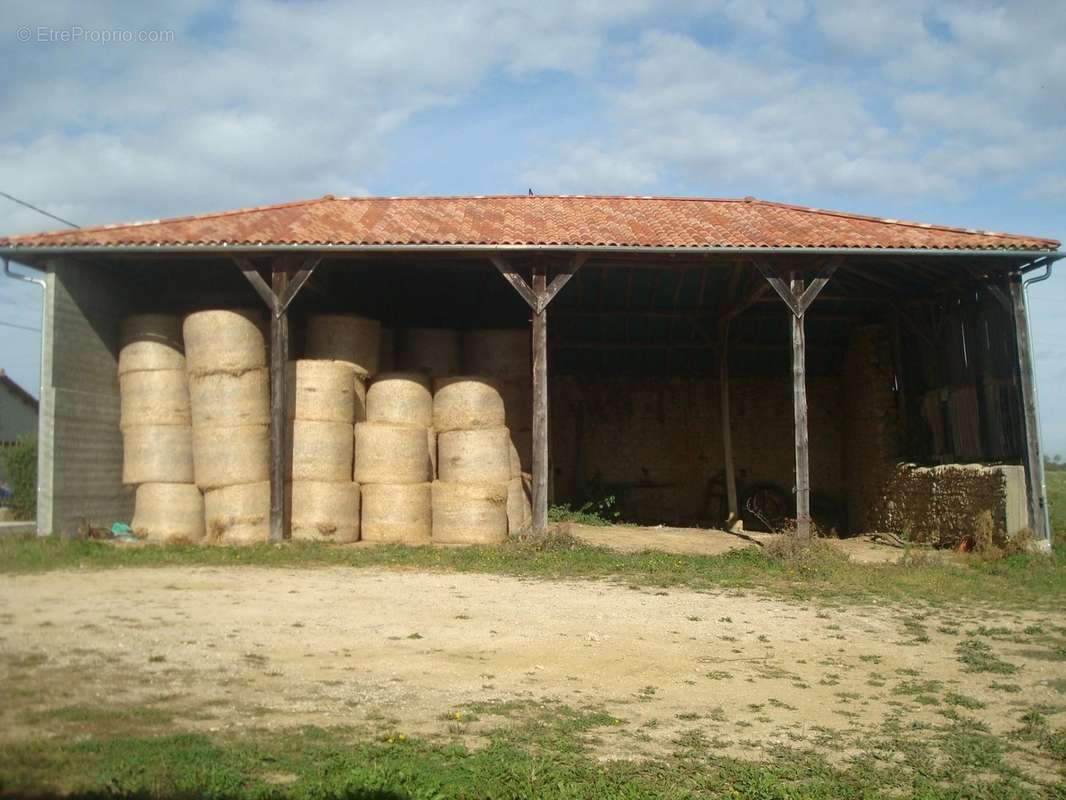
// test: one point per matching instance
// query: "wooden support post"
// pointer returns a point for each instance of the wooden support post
(540, 406)
(279, 358)
(1034, 461)
(286, 281)
(799, 298)
(537, 297)
(799, 412)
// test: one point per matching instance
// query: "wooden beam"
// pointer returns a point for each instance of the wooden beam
(742, 346)
(286, 280)
(817, 285)
(798, 298)
(1034, 457)
(261, 287)
(279, 357)
(517, 281)
(560, 280)
(540, 405)
(779, 285)
(296, 283)
(799, 409)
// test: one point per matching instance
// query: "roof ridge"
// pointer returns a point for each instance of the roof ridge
(348, 209)
(926, 226)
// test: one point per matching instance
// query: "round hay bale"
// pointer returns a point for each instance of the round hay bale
(169, 512)
(517, 397)
(229, 455)
(387, 453)
(466, 402)
(434, 351)
(345, 337)
(238, 514)
(324, 512)
(519, 505)
(230, 398)
(387, 351)
(157, 454)
(402, 398)
(224, 340)
(500, 353)
(320, 451)
(158, 397)
(469, 513)
(477, 456)
(322, 390)
(397, 513)
(149, 342)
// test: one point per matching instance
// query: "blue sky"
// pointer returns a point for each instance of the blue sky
(944, 112)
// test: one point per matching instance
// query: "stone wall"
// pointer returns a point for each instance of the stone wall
(660, 440)
(871, 423)
(945, 504)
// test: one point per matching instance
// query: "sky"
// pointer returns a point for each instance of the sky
(949, 112)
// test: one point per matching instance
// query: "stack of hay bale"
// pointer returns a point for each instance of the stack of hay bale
(323, 501)
(324, 495)
(506, 355)
(473, 461)
(157, 431)
(394, 459)
(229, 389)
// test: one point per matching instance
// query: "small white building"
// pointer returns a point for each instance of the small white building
(18, 414)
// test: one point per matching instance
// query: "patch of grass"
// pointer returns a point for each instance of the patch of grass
(816, 571)
(1009, 688)
(914, 688)
(539, 750)
(976, 656)
(963, 701)
(599, 512)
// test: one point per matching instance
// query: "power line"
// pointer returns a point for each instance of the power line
(32, 207)
(20, 327)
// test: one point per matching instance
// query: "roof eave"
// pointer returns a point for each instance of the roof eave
(19, 253)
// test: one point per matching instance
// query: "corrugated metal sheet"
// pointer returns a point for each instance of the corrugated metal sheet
(577, 221)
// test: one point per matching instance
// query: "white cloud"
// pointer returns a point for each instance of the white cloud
(286, 101)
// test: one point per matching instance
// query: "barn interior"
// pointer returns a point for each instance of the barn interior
(908, 360)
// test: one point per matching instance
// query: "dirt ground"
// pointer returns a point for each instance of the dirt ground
(223, 648)
(711, 542)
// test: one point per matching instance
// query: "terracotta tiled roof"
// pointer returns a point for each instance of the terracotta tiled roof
(577, 221)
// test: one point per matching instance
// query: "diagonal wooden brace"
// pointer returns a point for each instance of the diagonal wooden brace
(517, 281)
(538, 301)
(798, 302)
(278, 304)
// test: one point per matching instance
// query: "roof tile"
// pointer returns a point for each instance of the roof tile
(531, 221)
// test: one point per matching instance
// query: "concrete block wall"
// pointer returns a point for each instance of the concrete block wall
(81, 461)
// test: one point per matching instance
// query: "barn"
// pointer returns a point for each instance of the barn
(709, 362)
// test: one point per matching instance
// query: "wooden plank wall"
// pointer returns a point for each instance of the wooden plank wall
(965, 406)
